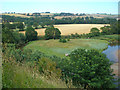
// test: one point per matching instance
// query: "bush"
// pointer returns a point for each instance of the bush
(62, 40)
(30, 34)
(89, 68)
(21, 30)
(68, 39)
(52, 33)
(48, 67)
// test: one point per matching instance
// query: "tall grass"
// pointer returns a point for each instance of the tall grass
(22, 76)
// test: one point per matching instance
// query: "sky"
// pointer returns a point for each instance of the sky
(57, 6)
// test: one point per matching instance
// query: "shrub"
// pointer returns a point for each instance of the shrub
(68, 39)
(60, 40)
(64, 41)
(30, 34)
(48, 67)
(89, 68)
(52, 33)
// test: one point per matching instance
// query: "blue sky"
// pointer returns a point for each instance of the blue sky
(57, 6)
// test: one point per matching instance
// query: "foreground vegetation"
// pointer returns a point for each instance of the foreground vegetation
(17, 75)
(21, 69)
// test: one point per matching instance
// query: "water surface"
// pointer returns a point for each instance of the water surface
(112, 52)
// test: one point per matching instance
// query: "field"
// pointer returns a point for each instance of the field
(18, 15)
(60, 17)
(54, 47)
(67, 29)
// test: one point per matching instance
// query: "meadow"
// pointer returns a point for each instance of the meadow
(68, 29)
(54, 47)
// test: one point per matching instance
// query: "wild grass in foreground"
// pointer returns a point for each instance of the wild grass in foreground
(22, 76)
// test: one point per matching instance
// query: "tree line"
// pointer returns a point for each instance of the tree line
(52, 20)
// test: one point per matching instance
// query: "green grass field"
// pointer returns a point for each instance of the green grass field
(108, 37)
(54, 47)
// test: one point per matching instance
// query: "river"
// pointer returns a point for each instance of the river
(113, 54)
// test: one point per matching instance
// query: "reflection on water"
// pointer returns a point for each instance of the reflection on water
(112, 52)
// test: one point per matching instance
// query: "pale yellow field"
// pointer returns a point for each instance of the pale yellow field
(60, 17)
(18, 15)
(67, 29)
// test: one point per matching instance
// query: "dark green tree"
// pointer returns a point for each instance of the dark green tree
(89, 68)
(42, 25)
(30, 34)
(105, 30)
(52, 33)
(115, 27)
(20, 25)
(10, 36)
(35, 25)
(7, 35)
(95, 31)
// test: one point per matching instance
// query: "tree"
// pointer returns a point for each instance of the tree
(7, 35)
(115, 27)
(30, 34)
(42, 25)
(88, 68)
(95, 31)
(35, 25)
(52, 33)
(10, 36)
(105, 30)
(20, 25)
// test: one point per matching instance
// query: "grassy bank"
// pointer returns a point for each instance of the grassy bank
(21, 76)
(54, 47)
(111, 38)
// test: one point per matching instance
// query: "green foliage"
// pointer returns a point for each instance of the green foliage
(62, 40)
(52, 33)
(48, 67)
(95, 31)
(105, 30)
(42, 25)
(20, 25)
(90, 68)
(35, 25)
(10, 36)
(49, 21)
(27, 69)
(23, 76)
(30, 34)
(68, 39)
(115, 27)
(7, 35)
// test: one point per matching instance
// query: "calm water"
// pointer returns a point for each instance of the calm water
(112, 53)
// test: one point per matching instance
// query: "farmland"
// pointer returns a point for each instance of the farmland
(54, 47)
(67, 29)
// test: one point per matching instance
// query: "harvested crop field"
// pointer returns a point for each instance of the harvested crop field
(67, 29)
